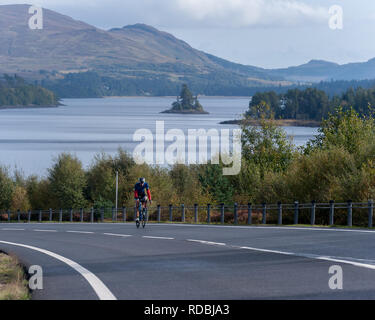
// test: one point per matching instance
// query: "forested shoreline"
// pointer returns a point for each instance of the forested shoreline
(16, 92)
(309, 104)
(92, 85)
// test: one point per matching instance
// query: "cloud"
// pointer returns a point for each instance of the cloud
(242, 13)
(193, 13)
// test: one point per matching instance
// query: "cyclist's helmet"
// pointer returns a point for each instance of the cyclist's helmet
(142, 180)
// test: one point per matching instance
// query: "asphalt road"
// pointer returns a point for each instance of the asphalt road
(193, 262)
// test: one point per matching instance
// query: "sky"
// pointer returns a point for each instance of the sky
(264, 33)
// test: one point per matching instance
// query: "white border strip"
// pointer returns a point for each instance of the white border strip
(99, 287)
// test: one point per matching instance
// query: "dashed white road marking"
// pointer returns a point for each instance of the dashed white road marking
(303, 255)
(83, 232)
(162, 238)
(312, 256)
(38, 230)
(207, 242)
(117, 235)
(9, 229)
(99, 287)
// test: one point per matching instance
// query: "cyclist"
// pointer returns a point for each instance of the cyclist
(140, 190)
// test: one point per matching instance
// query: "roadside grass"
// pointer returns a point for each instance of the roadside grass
(13, 284)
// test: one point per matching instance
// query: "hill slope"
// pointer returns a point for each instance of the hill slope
(76, 59)
(69, 46)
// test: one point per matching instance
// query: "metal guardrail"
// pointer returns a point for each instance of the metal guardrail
(347, 213)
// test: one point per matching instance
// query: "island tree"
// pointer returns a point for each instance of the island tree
(186, 103)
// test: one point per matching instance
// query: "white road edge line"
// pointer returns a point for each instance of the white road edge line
(99, 287)
(83, 232)
(207, 242)
(117, 235)
(162, 238)
(37, 230)
(311, 256)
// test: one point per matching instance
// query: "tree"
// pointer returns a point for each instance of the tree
(101, 186)
(39, 193)
(187, 99)
(346, 129)
(20, 200)
(259, 111)
(215, 183)
(186, 186)
(67, 181)
(266, 146)
(6, 189)
(271, 99)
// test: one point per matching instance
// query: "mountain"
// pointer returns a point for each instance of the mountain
(75, 59)
(132, 55)
(319, 70)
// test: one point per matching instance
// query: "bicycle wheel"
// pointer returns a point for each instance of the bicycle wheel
(144, 218)
(140, 218)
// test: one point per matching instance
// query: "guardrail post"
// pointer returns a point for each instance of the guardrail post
(170, 213)
(92, 215)
(370, 212)
(222, 213)
(124, 214)
(350, 213)
(296, 212)
(183, 213)
(81, 214)
(113, 214)
(50, 214)
(102, 215)
(60, 215)
(249, 213)
(71, 215)
(40, 216)
(235, 213)
(280, 213)
(29, 216)
(8, 216)
(19, 215)
(159, 213)
(208, 213)
(195, 213)
(331, 213)
(264, 218)
(313, 208)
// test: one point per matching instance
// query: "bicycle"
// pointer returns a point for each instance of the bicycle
(142, 216)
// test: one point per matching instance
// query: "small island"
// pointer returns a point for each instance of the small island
(186, 103)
